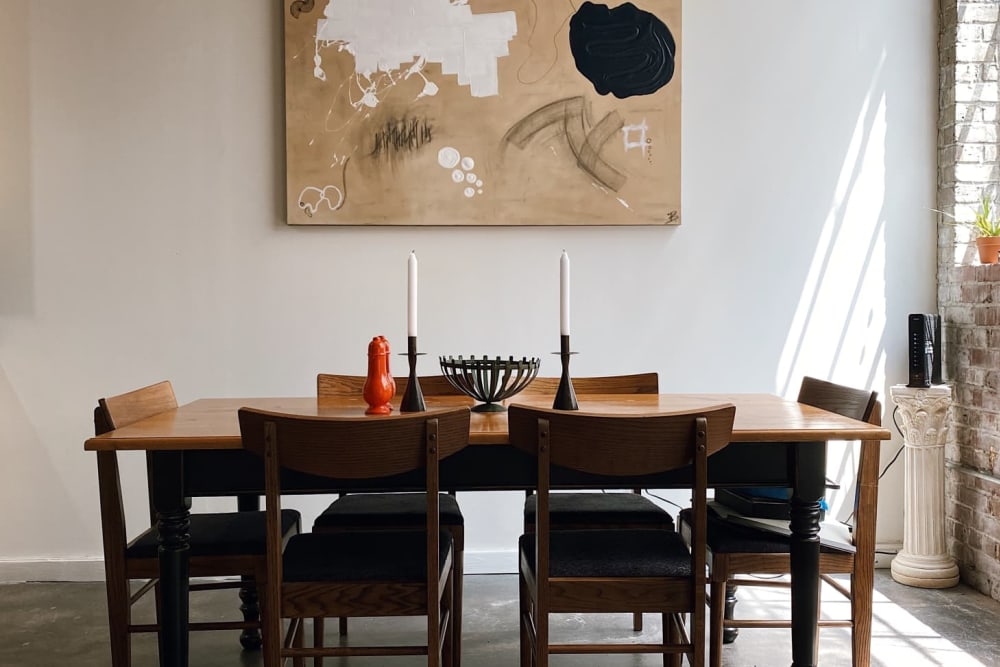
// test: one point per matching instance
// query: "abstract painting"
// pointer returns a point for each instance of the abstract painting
(482, 112)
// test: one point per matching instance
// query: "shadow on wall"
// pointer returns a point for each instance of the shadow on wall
(16, 280)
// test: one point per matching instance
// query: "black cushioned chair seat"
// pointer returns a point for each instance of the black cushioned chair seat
(726, 537)
(386, 509)
(598, 508)
(228, 533)
(612, 553)
(396, 555)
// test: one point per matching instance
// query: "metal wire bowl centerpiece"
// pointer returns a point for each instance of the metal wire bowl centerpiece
(489, 380)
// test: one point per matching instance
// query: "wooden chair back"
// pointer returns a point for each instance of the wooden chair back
(638, 383)
(847, 401)
(334, 385)
(622, 445)
(116, 412)
(350, 448)
(863, 405)
(354, 447)
(618, 444)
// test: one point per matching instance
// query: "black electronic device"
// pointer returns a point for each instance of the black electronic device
(925, 349)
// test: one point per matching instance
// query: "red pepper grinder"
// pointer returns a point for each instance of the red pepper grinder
(379, 386)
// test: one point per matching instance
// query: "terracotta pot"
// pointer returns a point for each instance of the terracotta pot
(989, 249)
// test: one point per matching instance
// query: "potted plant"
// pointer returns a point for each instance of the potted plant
(988, 230)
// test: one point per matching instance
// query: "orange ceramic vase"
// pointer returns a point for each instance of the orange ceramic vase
(379, 386)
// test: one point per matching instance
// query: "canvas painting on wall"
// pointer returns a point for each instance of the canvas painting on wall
(482, 112)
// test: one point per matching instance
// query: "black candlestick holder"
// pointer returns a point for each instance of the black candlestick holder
(565, 396)
(413, 398)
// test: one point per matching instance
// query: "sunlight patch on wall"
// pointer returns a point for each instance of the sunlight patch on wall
(839, 324)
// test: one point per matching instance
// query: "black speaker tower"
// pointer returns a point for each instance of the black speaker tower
(925, 349)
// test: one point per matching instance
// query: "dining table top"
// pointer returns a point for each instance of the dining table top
(212, 423)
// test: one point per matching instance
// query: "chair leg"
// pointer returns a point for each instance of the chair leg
(861, 616)
(459, 576)
(523, 598)
(637, 622)
(718, 606)
(272, 633)
(448, 649)
(671, 637)
(541, 655)
(342, 627)
(119, 617)
(318, 627)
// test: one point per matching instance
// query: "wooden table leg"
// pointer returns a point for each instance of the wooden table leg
(173, 521)
(809, 475)
(250, 638)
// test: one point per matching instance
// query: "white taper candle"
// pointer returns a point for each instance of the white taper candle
(564, 294)
(411, 295)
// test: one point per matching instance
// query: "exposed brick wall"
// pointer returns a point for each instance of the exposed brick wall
(969, 294)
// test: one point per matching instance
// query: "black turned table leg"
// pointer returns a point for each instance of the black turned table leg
(250, 638)
(809, 475)
(173, 520)
(729, 635)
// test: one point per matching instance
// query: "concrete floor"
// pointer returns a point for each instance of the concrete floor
(46, 624)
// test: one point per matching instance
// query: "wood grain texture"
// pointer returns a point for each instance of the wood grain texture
(355, 447)
(212, 423)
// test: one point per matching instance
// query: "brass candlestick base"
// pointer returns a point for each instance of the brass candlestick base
(565, 396)
(413, 398)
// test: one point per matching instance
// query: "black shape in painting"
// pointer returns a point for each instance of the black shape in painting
(624, 51)
(401, 135)
(300, 6)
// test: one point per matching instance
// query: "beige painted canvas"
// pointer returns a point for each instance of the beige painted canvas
(483, 112)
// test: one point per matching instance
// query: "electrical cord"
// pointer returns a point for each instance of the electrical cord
(895, 422)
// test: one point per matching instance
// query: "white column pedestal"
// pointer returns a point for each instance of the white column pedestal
(924, 559)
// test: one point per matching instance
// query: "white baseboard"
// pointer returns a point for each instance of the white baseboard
(491, 562)
(889, 550)
(14, 571)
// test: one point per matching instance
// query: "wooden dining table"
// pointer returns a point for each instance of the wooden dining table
(196, 451)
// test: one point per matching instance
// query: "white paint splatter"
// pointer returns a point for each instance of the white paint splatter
(448, 157)
(385, 35)
(630, 131)
(468, 163)
(623, 202)
(311, 198)
(470, 178)
(470, 192)
(479, 183)
(458, 176)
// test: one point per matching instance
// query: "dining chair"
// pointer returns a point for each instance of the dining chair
(381, 511)
(615, 569)
(735, 549)
(577, 511)
(360, 572)
(222, 544)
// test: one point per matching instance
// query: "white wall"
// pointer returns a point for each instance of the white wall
(142, 235)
